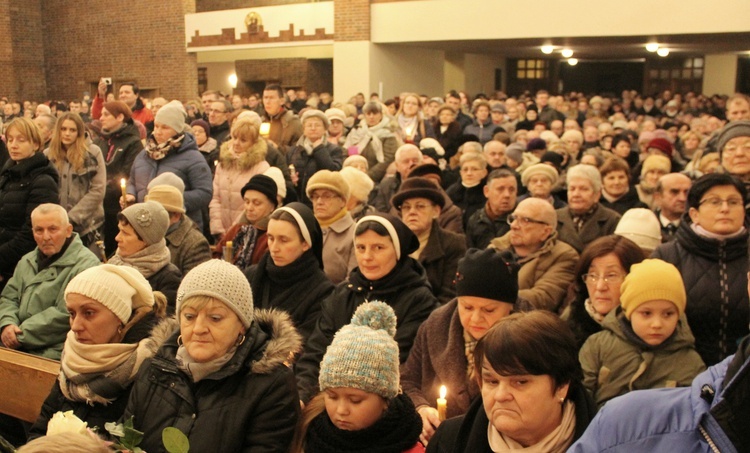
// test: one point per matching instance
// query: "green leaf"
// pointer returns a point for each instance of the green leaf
(132, 436)
(175, 441)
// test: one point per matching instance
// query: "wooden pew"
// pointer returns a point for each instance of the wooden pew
(26, 380)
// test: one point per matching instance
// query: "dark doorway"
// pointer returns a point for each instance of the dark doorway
(743, 75)
(610, 77)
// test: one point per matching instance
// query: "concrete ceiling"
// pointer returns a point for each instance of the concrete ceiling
(600, 48)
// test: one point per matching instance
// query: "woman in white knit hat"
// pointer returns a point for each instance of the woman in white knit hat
(224, 379)
(113, 314)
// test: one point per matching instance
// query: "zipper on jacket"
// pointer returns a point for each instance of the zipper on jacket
(710, 441)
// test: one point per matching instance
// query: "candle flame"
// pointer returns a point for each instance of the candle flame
(122, 182)
(265, 128)
(443, 391)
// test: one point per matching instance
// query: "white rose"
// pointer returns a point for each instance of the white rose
(65, 422)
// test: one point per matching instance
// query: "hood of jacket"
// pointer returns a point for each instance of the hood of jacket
(250, 158)
(407, 274)
(616, 323)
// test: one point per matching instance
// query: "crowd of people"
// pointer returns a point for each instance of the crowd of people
(284, 272)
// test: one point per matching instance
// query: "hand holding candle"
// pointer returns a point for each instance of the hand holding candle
(265, 129)
(123, 186)
(442, 403)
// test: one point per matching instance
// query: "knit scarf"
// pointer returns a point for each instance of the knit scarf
(396, 431)
(408, 126)
(361, 136)
(470, 344)
(580, 219)
(196, 370)
(147, 261)
(328, 222)
(557, 441)
(244, 246)
(595, 315)
(700, 231)
(158, 151)
(98, 373)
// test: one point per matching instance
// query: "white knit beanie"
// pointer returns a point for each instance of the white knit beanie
(641, 226)
(222, 281)
(121, 289)
(172, 115)
(360, 184)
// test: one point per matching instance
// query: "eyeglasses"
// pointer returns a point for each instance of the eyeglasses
(323, 197)
(716, 203)
(210, 111)
(524, 221)
(609, 278)
(420, 207)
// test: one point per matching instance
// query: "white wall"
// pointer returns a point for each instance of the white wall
(351, 69)
(720, 75)
(218, 76)
(402, 68)
(480, 72)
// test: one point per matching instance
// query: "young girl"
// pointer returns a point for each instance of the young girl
(361, 407)
(645, 343)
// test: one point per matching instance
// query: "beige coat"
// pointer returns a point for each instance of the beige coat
(338, 249)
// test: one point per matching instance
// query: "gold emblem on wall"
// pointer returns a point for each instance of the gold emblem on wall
(253, 22)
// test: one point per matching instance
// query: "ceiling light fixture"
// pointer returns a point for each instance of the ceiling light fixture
(572, 61)
(567, 53)
(652, 46)
(547, 49)
(662, 52)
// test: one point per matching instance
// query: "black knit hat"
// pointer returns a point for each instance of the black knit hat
(402, 237)
(536, 144)
(418, 188)
(489, 274)
(263, 184)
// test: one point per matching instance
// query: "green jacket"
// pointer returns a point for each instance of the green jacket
(34, 300)
(615, 361)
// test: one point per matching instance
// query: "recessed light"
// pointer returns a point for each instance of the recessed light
(572, 61)
(662, 52)
(652, 46)
(567, 53)
(547, 49)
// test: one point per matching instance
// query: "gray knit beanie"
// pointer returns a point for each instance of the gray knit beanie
(172, 115)
(222, 281)
(363, 355)
(149, 220)
(732, 130)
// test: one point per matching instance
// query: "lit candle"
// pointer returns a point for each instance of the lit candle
(228, 252)
(124, 189)
(409, 132)
(265, 129)
(442, 404)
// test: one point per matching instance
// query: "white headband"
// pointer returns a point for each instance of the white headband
(301, 223)
(388, 226)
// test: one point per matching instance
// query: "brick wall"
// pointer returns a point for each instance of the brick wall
(7, 74)
(145, 42)
(21, 50)
(351, 20)
(218, 5)
(313, 75)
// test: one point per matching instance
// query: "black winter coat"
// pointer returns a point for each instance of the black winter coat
(325, 156)
(249, 405)
(469, 199)
(23, 186)
(405, 289)
(628, 201)
(715, 276)
(167, 280)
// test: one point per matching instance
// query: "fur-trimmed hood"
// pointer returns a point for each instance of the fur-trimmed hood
(284, 343)
(161, 333)
(253, 156)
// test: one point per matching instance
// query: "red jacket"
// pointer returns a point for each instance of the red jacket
(142, 114)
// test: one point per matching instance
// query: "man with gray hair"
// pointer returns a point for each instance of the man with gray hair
(33, 317)
(547, 264)
(407, 157)
(46, 124)
(584, 219)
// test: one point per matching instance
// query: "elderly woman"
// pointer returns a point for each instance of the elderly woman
(412, 126)
(330, 194)
(574, 140)
(653, 168)
(172, 148)
(710, 250)
(532, 397)
(27, 180)
(112, 313)
(360, 186)
(313, 152)
(468, 193)
(141, 245)
(487, 287)
(617, 192)
(419, 203)
(241, 158)
(386, 273)
(120, 142)
(540, 179)
(447, 129)
(482, 126)
(374, 140)
(206, 144)
(584, 219)
(599, 273)
(223, 378)
(83, 178)
(290, 275)
(248, 235)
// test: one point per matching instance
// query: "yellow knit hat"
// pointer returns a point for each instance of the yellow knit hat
(652, 280)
